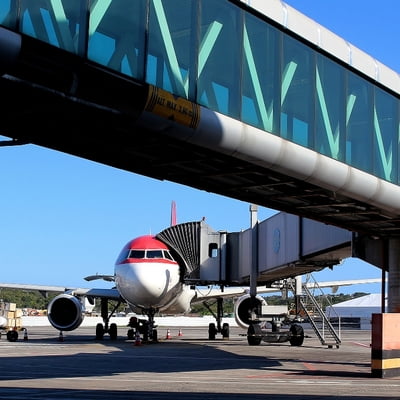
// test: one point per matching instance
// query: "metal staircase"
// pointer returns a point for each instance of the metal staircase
(318, 319)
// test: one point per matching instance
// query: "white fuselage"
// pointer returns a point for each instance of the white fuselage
(148, 285)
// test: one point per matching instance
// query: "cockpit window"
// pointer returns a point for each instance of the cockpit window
(146, 254)
(154, 254)
(136, 254)
(123, 256)
(167, 255)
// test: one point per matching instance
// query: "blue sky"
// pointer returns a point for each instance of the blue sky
(63, 218)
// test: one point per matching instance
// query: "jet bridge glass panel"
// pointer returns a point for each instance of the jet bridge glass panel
(61, 23)
(172, 45)
(261, 75)
(359, 123)
(385, 137)
(226, 58)
(297, 93)
(219, 55)
(8, 13)
(117, 35)
(330, 138)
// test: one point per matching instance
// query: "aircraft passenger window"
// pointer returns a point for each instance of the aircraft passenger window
(154, 254)
(136, 254)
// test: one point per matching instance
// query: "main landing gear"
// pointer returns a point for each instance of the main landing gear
(213, 328)
(111, 329)
(146, 328)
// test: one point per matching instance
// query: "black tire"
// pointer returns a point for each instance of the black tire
(99, 331)
(296, 335)
(12, 336)
(113, 331)
(155, 336)
(131, 334)
(225, 330)
(254, 335)
(212, 331)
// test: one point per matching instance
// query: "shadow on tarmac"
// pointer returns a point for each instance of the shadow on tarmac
(63, 394)
(165, 357)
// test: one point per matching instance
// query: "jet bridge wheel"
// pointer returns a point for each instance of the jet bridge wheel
(296, 335)
(254, 335)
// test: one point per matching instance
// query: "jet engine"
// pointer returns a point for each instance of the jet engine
(245, 306)
(65, 312)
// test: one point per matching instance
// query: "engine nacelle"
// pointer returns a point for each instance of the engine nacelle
(245, 306)
(65, 312)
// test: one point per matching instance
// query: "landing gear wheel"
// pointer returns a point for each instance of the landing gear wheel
(99, 331)
(113, 331)
(254, 335)
(212, 330)
(154, 336)
(12, 336)
(225, 331)
(297, 335)
(131, 334)
(146, 333)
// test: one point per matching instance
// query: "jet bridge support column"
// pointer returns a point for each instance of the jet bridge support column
(394, 276)
(254, 250)
(385, 354)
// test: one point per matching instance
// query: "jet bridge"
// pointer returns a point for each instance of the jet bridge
(283, 246)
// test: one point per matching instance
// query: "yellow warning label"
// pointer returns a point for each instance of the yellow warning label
(174, 108)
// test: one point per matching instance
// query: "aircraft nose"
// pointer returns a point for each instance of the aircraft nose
(150, 284)
(145, 285)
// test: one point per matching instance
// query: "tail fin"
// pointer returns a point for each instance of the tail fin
(173, 213)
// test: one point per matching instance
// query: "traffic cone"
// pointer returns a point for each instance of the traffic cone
(168, 334)
(25, 334)
(61, 337)
(138, 340)
(180, 332)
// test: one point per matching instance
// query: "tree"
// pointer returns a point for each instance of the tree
(25, 298)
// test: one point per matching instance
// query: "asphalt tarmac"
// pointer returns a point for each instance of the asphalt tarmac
(187, 367)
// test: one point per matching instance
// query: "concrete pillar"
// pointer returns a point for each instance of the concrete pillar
(385, 346)
(385, 351)
(394, 276)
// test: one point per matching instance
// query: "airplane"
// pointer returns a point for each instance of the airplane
(149, 280)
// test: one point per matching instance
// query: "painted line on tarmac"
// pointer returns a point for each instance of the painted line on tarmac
(361, 344)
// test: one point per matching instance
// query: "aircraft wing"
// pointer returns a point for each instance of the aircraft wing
(231, 292)
(336, 284)
(39, 288)
(111, 294)
(228, 292)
